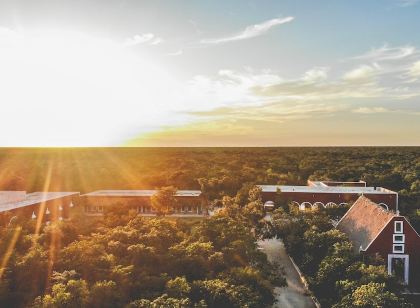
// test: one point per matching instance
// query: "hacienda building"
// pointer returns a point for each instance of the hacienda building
(188, 202)
(42, 207)
(374, 230)
(327, 194)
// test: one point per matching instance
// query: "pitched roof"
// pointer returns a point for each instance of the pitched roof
(364, 221)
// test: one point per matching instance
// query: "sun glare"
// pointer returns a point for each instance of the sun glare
(69, 89)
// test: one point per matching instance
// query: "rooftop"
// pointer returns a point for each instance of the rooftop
(35, 198)
(139, 193)
(326, 189)
(337, 183)
(12, 196)
(364, 221)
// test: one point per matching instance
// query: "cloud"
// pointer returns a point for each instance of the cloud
(414, 70)
(316, 74)
(139, 39)
(266, 96)
(250, 31)
(279, 111)
(176, 53)
(407, 3)
(386, 53)
(321, 88)
(361, 73)
(370, 110)
(262, 107)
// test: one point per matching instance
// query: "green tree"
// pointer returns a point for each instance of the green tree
(164, 200)
(178, 287)
(73, 294)
(372, 295)
(105, 294)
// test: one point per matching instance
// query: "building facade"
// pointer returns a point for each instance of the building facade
(188, 202)
(374, 230)
(328, 193)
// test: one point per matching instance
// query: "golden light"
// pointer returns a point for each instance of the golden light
(9, 250)
(67, 89)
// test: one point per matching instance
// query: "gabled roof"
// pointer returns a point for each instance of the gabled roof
(364, 221)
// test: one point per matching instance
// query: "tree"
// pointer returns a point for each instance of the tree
(163, 301)
(30, 274)
(372, 295)
(254, 210)
(178, 287)
(164, 200)
(105, 294)
(218, 293)
(74, 293)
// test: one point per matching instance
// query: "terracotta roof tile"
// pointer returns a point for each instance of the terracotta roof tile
(364, 221)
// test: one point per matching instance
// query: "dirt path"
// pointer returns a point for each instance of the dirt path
(292, 296)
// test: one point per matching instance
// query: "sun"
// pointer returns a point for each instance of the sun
(63, 88)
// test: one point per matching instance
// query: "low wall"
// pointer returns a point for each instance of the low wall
(305, 283)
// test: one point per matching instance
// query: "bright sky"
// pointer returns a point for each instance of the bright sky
(209, 73)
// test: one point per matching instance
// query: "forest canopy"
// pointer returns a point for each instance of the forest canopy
(216, 171)
(125, 260)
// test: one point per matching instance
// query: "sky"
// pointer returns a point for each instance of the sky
(209, 73)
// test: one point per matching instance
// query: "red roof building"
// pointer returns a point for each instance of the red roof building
(374, 230)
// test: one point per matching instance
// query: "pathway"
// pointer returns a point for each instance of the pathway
(294, 294)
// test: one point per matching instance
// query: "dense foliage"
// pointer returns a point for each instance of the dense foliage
(217, 171)
(130, 261)
(125, 260)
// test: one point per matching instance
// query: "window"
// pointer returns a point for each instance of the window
(399, 238)
(95, 209)
(398, 227)
(398, 248)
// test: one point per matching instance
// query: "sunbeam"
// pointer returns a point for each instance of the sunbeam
(9, 250)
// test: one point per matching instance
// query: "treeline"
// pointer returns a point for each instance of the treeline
(87, 169)
(217, 171)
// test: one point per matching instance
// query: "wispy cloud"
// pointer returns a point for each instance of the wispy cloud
(316, 74)
(261, 107)
(377, 110)
(414, 70)
(139, 39)
(250, 31)
(176, 53)
(370, 110)
(365, 88)
(406, 3)
(362, 72)
(386, 53)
